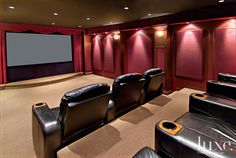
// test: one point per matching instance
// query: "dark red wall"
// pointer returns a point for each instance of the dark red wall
(97, 53)
(139, 51)
(106, 55)
(225, 48)
(209, 48)
(189, 54)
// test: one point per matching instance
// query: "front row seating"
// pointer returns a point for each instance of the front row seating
(153, 84)
(126, 92)
(81, 111)
(88, 108)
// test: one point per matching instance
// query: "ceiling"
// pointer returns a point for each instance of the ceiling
(73, 13)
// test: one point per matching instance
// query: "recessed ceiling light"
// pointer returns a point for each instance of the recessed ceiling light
(53, 23)
(55, 14)
(11, 7)
(126, 8)
(79, 25)
(88, 19)
(149, 14)
(221, 1)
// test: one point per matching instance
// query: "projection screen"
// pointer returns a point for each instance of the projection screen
(32, 49)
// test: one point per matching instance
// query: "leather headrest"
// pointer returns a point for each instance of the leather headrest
(153, 71)
(86, 92)
(126, 78)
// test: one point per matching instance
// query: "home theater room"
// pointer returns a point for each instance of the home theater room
(117, 78)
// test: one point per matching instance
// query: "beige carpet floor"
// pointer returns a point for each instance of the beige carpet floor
(121, 138)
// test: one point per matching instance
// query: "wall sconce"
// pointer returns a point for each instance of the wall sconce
(160, 33)
(116, 35)
(160, 29)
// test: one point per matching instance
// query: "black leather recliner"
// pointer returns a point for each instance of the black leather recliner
(126, 92)
(223, 77)
(153, 84)
(213, 106)
(81, 111)
(222, 89)
(208, 130)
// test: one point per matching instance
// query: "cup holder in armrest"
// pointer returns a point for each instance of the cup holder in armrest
(170, 127)
(39, 105)
(199, 95)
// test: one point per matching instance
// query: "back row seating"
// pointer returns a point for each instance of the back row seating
(208, 129)
(83, 110)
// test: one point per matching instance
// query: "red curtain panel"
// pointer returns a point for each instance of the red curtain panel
(77, 43)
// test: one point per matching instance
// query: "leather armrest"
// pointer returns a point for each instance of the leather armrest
(110, 115)
(219, 107)
(46, 128)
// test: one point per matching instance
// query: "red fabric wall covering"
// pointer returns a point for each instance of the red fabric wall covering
(225, 48)
(106, 56)
(77, 42)
(97, 53)
(189, 54)
(108, 53)
(139, 52)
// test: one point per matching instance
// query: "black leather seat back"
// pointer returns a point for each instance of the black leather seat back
(154, 83)
(84, 107)
(223, 77)
(222, 89)
(127, 91)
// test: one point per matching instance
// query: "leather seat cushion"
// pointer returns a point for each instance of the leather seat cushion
(86, 92)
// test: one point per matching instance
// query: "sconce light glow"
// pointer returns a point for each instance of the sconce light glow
(116, 36)
(160, 33)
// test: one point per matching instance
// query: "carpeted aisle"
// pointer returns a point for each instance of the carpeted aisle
(121, 138)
